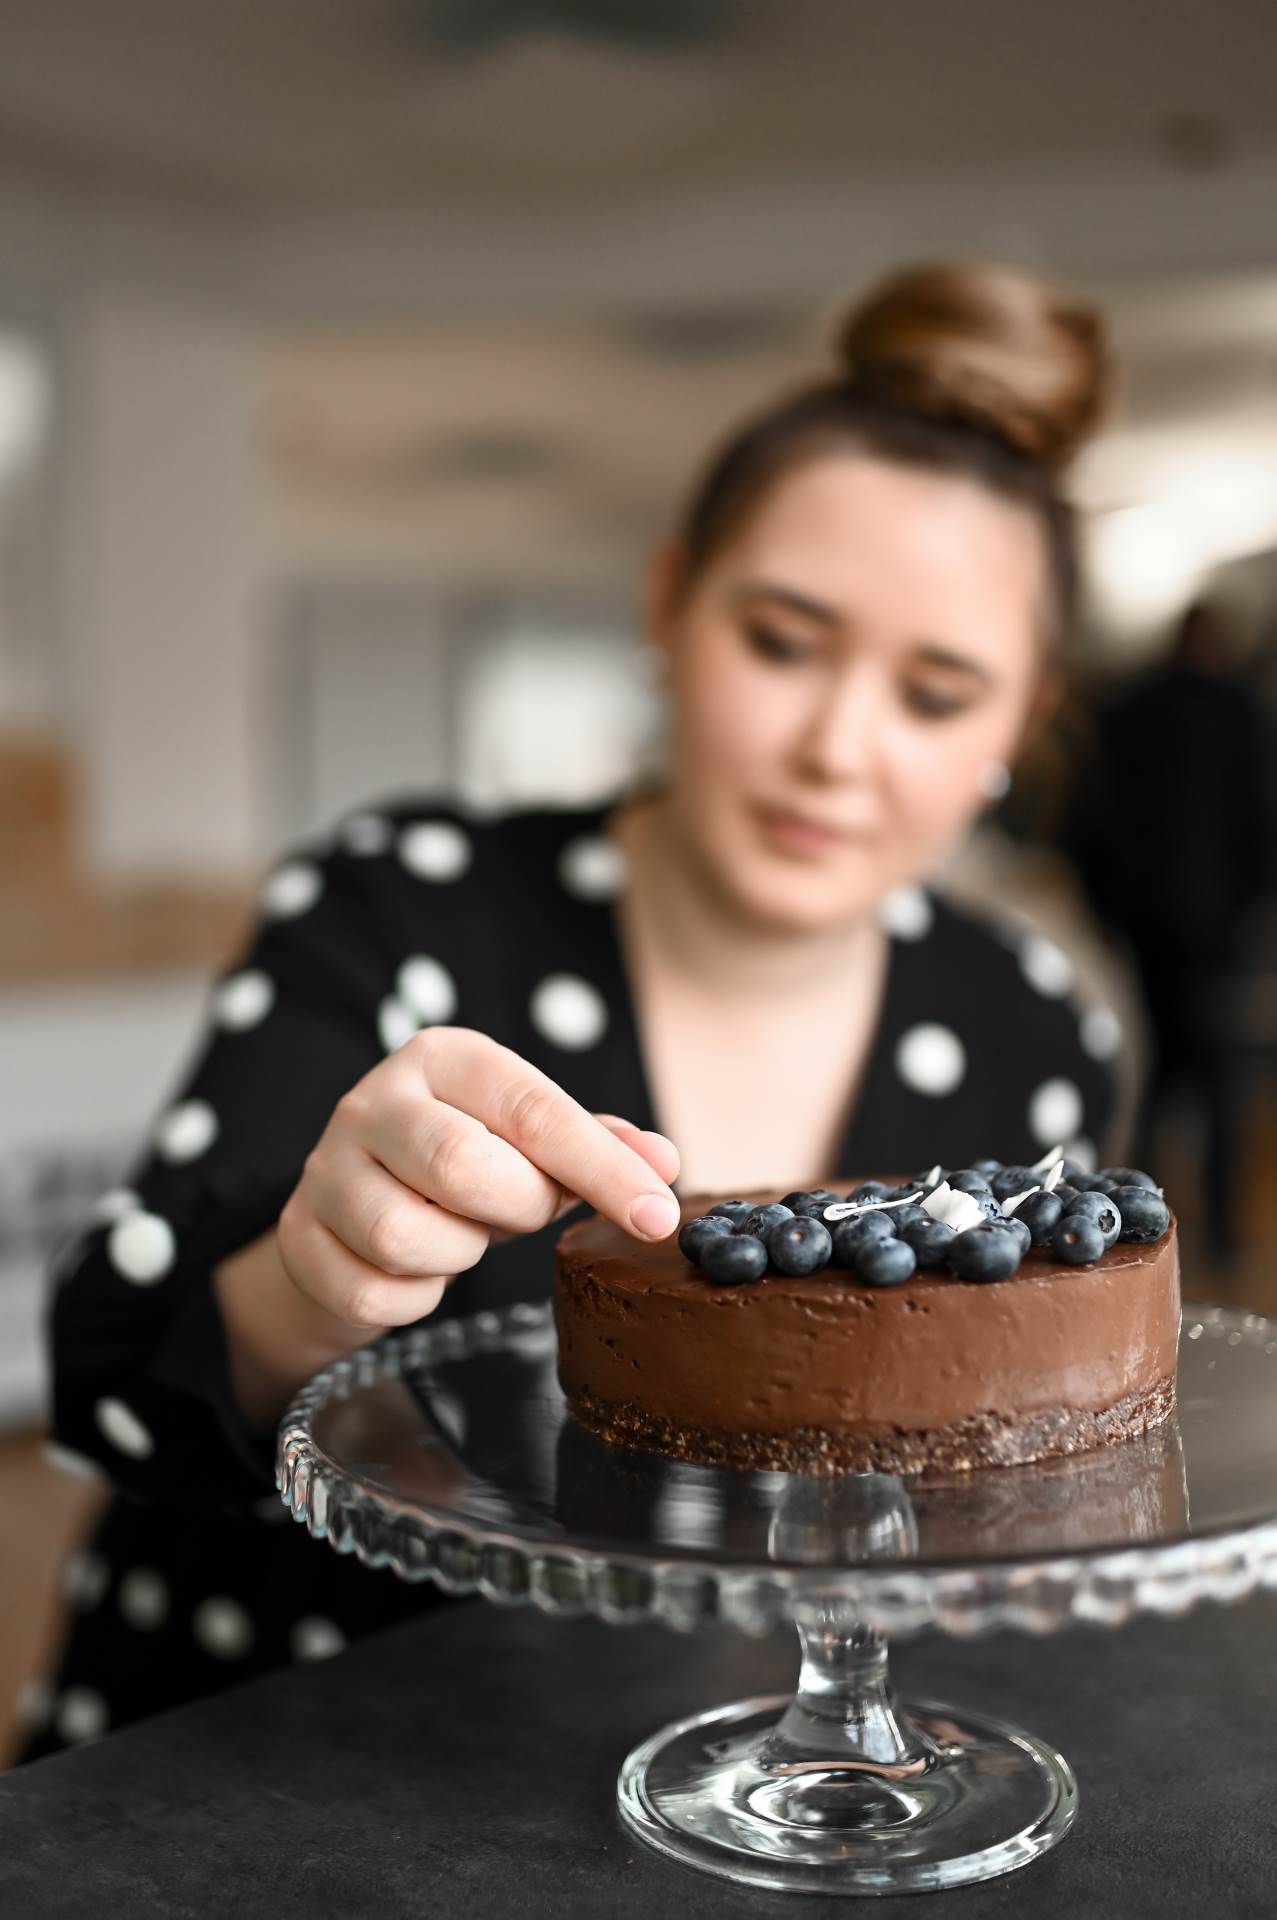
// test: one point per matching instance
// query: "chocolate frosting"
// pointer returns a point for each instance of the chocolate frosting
(638, 1324)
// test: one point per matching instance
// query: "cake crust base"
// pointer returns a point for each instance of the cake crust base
(978, 1440)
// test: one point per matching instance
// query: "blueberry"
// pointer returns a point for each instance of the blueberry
(1040, 1213)
(826, 1196)
(760, 1220)
(1130, 1177)
(987, 1167)
(1145, 1215)
(870, 1190)
(694, 1233)
(985, 1253)
(1099, 1208)
(733, 1210)
(733, 1258)
(1009, 1181)
(1066, 1193)
(802, 1200)
(930, 1240)
(1074, 1174)
(908, 1216)
(1077, 1240)
(885, 1263)
(967, 1180)
(1012, 1223)
(990, 1207)
(876, 1222)
(800, 1245)
(847, 1235)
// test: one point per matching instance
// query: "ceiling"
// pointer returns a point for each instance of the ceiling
(468, 105)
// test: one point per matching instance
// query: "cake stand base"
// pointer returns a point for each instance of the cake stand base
(841, 1789)
(980, 1800)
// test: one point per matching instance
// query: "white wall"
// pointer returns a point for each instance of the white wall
(163, 587)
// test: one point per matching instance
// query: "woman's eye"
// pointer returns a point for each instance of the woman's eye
(773, 645)
(930, 704)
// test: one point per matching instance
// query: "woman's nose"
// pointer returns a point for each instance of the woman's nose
(843, 730)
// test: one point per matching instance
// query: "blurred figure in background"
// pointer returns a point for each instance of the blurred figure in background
(1176, 838)
(446, 1030)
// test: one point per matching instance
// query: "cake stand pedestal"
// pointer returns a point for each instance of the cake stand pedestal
(446, 1454)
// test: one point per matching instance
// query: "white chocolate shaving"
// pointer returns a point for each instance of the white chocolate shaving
(1017, 1199)
(847, 1209)
(1048, 1159)
(956, 1209)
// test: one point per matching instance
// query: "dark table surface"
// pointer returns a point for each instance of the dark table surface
(466, 1765)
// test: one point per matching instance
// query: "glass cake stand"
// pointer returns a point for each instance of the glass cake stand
(446, 1453)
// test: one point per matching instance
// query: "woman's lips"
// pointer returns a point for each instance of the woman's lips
(797, 833)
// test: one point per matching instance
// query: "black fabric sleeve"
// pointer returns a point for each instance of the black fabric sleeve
(141, 1381)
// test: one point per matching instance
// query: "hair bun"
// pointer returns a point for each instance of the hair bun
(985, 344)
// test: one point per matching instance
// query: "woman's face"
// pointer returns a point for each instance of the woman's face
(845, 669)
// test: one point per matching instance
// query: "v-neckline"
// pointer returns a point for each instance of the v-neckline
(634, 1087)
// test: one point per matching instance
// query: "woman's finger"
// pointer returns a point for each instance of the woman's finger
(360, 1295)
(450, 1157)
(522, 1106)
(656, 1148)
(388, 1225)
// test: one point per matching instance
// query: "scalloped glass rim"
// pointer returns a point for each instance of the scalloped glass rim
(568, 1576)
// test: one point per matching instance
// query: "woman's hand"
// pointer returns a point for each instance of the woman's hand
(449, 1143)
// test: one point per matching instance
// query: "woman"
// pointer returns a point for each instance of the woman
(444, 1033)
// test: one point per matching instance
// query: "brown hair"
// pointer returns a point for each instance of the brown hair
(979, 371)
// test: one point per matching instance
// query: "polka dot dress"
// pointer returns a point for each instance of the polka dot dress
(412, 916)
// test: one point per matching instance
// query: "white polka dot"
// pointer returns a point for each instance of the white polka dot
(315, 1638)
(426, 988)
(141, 1247)
(243, 1000)
(222, 1628)
(85, 1578)
(185, 1132)
(76, 1466)
(81, 1715)
(931, 1059)
(110, 1206)
(1055, 1111)
(33, 1704)
(395, 1024)
(1046, 966)
(143, 1599)
(435, 850)
(568, 1011)
(121, 1426)
(291, 890)
(906, 913)
(1101, 1033)
(366, 834)
(592, 867)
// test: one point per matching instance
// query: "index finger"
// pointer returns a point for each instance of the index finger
(523, 1106)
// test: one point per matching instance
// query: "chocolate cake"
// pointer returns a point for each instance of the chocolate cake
(828, 1371)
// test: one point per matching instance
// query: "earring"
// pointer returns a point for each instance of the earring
(995, 780)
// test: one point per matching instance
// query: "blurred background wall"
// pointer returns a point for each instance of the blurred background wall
(354, 352)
